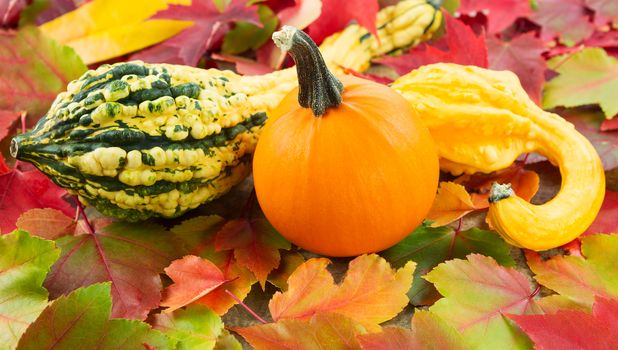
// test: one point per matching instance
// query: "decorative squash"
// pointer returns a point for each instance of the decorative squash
(343, 167)
(137, 140)
(482, 120)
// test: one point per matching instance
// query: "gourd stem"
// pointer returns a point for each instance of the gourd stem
(318, 87)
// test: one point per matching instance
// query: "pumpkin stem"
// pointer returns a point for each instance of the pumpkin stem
(318, 87)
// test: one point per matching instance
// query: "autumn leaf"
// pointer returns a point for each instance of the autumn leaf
(606, 221)
(7, 120)
(195, 327)
(35, 69)
(247, 35)
(10, 11)
(588, 122)
(477, 293)
(336, 15)
(208, 22)
(581, 278)
(24, 262)
(522, 56)
(451, 203)
(586, 77)
(100, 32)
(573, 329)
(428, 332)
(255, 243)
(290, 261)
(524, 182)
(500, 14)
(609, 125)
(429, 246)
(193, 278)
(301, 14)
(131, 256)
(46, 223)
(555, 302)
(65, 323)
(462, 47)
(605, 11)
(21, 191)
(198, 234)
(566, 19)
(370, 293)
(51, 10)
(320, 331)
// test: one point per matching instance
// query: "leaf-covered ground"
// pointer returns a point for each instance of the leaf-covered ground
(222, 277)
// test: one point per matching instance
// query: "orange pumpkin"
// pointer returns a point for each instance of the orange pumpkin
(354, 173)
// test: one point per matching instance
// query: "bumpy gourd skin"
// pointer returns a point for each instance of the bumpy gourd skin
(482, 120)
(137, 140)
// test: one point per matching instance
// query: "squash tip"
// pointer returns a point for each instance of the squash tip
(499, 192)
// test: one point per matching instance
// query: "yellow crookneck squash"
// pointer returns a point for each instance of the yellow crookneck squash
(343, 166)
(481, 121)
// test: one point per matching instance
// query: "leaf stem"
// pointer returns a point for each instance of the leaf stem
(80, 208)
(257, 317)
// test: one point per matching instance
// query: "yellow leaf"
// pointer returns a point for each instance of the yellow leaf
(103, 29)
(121, 40)
(451, 203)
(100, 15)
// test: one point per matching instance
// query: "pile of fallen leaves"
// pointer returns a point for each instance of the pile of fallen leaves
(70, 280)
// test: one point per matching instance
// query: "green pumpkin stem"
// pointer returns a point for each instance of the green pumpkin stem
(318, 87)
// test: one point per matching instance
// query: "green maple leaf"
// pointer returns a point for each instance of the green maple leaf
(247, 35)
(587, 77)
(581, 278)
(196, 327)
(428, 247)
(24, 262)
(81, 321)
(34, 70)
(477, 293)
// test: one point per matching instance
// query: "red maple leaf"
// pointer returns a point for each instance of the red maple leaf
(208, 25)
(255, 243)
(605, 11)
(337, 14)
(573, 329)
(522, 56)
(7, 120)
(462, 47)
(193, 278)
(500, 14)
(606, 40)
(568, 20)
(609, 125)
(607, 219)
(23, 188)
(10, 12)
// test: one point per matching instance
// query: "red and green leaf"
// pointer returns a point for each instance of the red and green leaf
(81, 320)
(477, 293)
(429, 246)
(24, 262)
(130, 256)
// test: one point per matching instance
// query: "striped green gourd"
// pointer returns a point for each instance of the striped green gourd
(137, 140)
